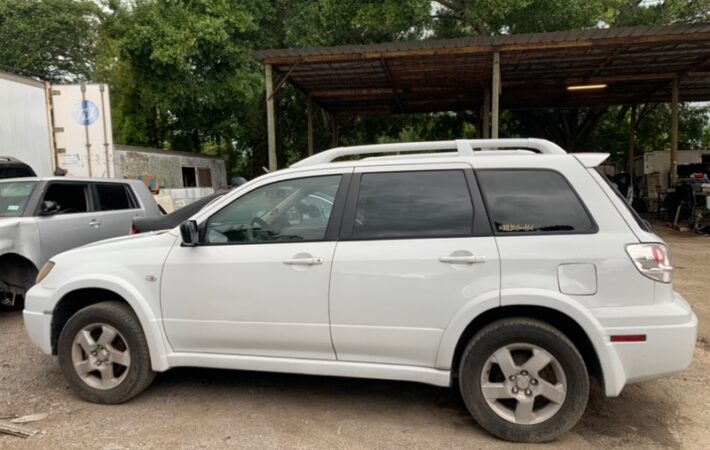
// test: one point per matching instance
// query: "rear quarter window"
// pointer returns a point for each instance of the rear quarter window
(114, 196)
(533, 201)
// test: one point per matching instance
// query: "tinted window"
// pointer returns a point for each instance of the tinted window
(72, 198)
(533, 201)
(413, 204)
(292, 210)
(16, 172)
(113, 196)
(641, 222)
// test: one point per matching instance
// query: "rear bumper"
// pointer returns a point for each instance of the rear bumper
(671, 332)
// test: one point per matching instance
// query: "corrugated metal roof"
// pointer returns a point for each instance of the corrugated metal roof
(637, 63)
(491, 41)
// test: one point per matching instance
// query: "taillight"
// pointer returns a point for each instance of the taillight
(133, 230)
(652, 260)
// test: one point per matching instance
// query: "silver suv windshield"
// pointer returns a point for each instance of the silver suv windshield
(14, 196)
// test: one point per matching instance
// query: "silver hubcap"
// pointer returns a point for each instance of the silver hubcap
(523, 384)
(101, 356)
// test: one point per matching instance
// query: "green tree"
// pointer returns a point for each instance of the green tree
(181, 71)
(53, 40)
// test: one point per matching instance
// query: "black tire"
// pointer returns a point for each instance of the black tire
(119, 316)
(527, 331)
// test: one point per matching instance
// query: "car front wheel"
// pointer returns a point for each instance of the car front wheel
(104, 355)
(523, 380)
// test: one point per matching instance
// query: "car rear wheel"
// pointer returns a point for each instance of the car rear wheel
(104, 354)
(523, 380)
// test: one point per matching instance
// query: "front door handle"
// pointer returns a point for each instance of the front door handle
(462, 259)
(94, 223)
(311, 261)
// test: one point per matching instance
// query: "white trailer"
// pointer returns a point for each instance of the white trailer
(25, 122)
(82, 130)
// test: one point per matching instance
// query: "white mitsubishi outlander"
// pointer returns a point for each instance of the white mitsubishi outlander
(514, 271)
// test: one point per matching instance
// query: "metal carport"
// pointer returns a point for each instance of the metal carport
(592, 67)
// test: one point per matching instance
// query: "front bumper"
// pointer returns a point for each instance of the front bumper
(39, 328)
(671, 332)
(38, 321)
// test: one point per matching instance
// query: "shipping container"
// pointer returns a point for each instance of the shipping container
(25, 131)
(82, 129)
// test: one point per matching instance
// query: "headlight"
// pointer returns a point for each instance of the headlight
(44, 271)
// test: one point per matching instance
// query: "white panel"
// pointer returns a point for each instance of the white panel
(84, 130)
(24, 125)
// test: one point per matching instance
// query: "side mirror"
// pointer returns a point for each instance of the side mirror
(190, 233)
(49, 207)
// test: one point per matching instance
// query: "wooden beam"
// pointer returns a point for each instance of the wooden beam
(270, 118)
(487, 112)
(309, 116)
(674, 132)
(632, 142)
(353, 92)
(495, 113)
(283, 79)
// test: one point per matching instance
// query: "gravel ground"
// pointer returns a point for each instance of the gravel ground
(198, 408)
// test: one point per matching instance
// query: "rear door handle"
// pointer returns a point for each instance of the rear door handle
(303, 261)
(467, 259)
(94, 223)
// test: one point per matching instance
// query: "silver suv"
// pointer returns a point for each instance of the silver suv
(41, 217)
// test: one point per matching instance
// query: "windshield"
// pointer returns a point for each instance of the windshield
(14, 196)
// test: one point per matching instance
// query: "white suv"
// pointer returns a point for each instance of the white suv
(513, 274)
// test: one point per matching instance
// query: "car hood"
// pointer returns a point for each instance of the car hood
(125, 250)
(126, 239)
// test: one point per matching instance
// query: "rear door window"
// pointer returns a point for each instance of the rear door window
(113, 196)
(533, 201)
(413, 204)
(72, 198)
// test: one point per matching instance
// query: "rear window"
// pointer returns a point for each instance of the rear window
(420, 204)
(533, 201)
(113, 197)
(644, 225)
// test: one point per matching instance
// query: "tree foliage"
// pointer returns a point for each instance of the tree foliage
(182, 74)
(53, 40)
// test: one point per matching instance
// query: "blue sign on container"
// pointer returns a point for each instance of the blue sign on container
(86, 113)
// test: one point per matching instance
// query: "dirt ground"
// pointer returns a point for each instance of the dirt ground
(197, 408)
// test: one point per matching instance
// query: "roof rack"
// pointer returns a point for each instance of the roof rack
(464, 147)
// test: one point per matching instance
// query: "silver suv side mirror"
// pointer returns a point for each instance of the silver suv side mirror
(49, 208)
(190, 233)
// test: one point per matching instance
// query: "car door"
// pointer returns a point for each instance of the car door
(415, 248)
(258, 282)
(116, 207)
(75, 224)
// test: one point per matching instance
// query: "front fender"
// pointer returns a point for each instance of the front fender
(152, 326)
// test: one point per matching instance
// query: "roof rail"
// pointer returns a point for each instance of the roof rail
(464, 147)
